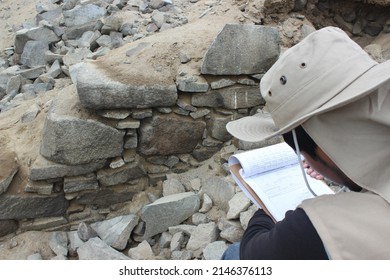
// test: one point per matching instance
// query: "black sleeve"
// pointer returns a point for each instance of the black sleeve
(292, 238)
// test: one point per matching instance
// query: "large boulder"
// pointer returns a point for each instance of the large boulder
(74, 136)
(167, 135)
(242, 49)
(99, 90)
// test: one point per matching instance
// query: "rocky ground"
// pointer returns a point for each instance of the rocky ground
(213, 227)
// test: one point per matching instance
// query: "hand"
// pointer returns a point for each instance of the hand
(311, 172)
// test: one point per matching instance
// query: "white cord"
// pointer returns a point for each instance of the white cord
(298, 152)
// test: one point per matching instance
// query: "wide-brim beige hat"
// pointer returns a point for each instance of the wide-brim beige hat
(325, 71)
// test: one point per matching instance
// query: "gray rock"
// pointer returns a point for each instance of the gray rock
(96, 249)
(182, 255)
(31, 113)
(82, 14)
(227, 55)
(80, 183)
(74, 243)
(140, 114)
(70, 140)
(98, 53)
(75, 32)
(116, 39)
(207, 203)
(204, 153)
(215, 250)
(39, 224)
(7, 227)
(41, 34)
(221, 83)
(55, 69)
(13, 85)
(115, 114)
(34, 54)
(239, 203)
(41, 187)
(116, 232)
(128, 124)
(58, 242)
(117, 162)
(43, 169)
(201, 236)
(199, 218)
(53, 16)
(88, 40)
(106, 197)
(165, 240)
(44, 6)
(85, 232)
(106, 93)
(219, 190)
(306, 30)
(32, 206)
(169, 135)
(9, 167)
(234, 97)
(76, 56)
(34, 72)
(172, 186)
(185, 106)
(131, 142)
(245, 216)
(300, 5)
(230, 230)
(128, 172)
(104, 41)
(37, 87)
(168, 211)
(69, 4)
(111, 23)
(192, 83)
(142, 252)
(187, 229)
(199, 113)
(36, 256)
(177, 241)
(217, 128)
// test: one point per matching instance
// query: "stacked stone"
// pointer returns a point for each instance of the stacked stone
(100, 151)
(360, 18)
(117, 154)
(68, 32)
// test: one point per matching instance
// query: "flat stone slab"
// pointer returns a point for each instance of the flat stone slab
(168, 211)
(167, 135)
(32, 206)
(97, 90)
(43, 169)
(242, 49)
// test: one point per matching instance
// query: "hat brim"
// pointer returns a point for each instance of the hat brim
(256, 128)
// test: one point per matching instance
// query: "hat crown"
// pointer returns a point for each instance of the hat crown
(311, 73)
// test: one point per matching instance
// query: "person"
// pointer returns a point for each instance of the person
(331, 102)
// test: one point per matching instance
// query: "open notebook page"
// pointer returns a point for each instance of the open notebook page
(264, 159)
(275, 177)
(285, 190)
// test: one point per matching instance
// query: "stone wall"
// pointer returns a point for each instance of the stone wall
(151, 107)
(107, 137)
